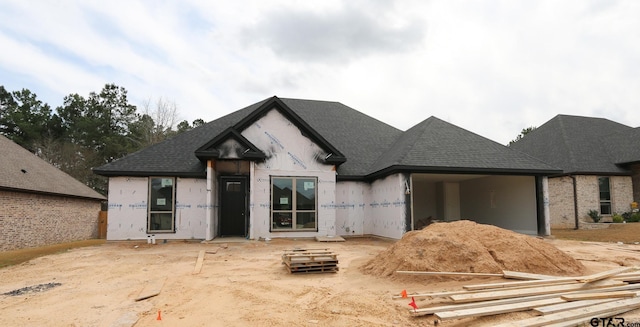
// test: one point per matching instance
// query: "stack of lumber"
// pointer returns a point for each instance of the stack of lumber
(557, 301)
(310, 261)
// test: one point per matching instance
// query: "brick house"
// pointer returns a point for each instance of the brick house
(40, 204)
(305, 168)
(600, 162)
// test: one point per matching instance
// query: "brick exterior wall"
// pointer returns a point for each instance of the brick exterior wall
(621, 193)
(29, 220)
(561, 203)
(561, 208)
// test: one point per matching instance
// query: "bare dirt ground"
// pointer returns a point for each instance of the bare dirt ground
(241, 284)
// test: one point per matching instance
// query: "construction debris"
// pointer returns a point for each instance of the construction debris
(151, 289)
(562, 301)
(32, 289)
(334, 238)
(199, 262)
(310, 261)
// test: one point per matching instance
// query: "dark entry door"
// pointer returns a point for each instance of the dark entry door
(233, 206)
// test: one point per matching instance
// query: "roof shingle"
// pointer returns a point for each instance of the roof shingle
(368, 144)
(21, 170)
(579, 144)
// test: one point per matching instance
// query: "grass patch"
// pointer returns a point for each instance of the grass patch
(626, 233)
(14, 257)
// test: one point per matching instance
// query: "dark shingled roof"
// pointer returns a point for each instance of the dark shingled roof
(23, 171)
(175, 156)
(582, 145)
(435, 145)
(624, 147)
(370, 146)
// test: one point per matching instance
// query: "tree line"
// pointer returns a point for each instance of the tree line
(86, 132)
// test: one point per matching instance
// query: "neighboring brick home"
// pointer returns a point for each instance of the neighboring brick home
(40, 204)
(302, 168)
(600, 162)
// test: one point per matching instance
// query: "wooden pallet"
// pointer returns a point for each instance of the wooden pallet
(310, 261)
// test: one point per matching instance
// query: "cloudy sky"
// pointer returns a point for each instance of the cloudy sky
(491, 67)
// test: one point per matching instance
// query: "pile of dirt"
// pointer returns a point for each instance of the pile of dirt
(466, 246)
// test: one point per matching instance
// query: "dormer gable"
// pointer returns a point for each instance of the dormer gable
(229, 144)
(334, 157)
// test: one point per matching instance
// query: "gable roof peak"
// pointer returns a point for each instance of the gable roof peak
(275, 103)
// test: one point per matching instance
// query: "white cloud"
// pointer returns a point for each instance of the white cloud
(491, 67)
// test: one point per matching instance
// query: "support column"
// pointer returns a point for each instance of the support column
(252, 186)
(545, 199)
(209, 203)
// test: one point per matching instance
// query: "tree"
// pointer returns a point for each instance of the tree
(26, 120)
(98, 127)
(524, 132)
(86, 132)
(157, 123)
(100, 122)
(184, 126)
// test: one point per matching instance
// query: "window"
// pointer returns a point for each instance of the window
(161, 205)
(234, 186)
(293, 204)
(605, 195)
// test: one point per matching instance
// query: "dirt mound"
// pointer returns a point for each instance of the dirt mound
(465, 246)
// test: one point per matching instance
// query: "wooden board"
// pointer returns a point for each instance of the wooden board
(609, 308)
(445, 273)
(631, 279)
(598, 295)
(335, 238)
(524, 283)
(549, 309)
(526, 276)
(433, 294)
(496, 309)
(627, 274)
(621, 287)
(471, 305)
(199, 262)
(150, 290)
(604, 274)
(504, 294)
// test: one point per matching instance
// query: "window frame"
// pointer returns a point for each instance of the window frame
(150, 207)
(293, 211)
(607, 202)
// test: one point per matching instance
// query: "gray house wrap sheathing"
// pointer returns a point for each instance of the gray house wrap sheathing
(303, 168)
(600, 162)
(40, 204)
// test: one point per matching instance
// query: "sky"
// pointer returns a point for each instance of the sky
(491, 67)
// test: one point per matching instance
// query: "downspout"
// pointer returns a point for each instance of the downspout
(575, 201)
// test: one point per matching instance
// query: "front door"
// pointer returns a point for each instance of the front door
(233, 206)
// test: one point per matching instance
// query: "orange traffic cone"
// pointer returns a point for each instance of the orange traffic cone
(403, 293)
(159, 316)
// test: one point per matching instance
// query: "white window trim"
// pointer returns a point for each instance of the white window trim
(293, 210)
(173, 207)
